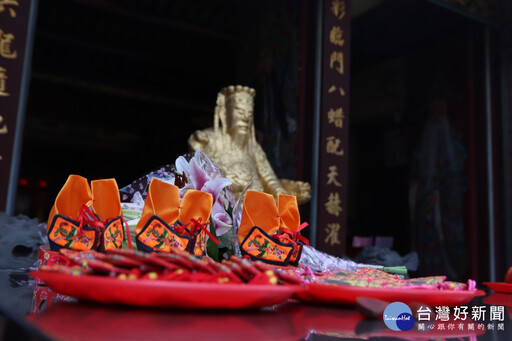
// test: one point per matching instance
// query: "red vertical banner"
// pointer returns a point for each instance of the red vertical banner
(333, 144)
(14, 22)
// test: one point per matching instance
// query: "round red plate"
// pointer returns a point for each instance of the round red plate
(346, 295)
(151, 293)
(499, 298)
(500, 286)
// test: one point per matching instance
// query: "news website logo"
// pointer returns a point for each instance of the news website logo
(398, 316)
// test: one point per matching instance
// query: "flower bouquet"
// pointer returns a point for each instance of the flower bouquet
(190, 171)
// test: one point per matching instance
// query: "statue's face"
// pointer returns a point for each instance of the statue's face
(240, 116)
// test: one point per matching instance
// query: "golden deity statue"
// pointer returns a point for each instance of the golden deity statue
(232, 145)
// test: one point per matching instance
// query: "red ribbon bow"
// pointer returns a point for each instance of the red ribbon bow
(296, 235)
(194, 224)
(86, 217)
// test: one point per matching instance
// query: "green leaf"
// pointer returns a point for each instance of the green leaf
(399, 270)
(229, 210)
(212, 249)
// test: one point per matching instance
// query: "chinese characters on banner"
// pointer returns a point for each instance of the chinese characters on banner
(14, 18)
(332, 182)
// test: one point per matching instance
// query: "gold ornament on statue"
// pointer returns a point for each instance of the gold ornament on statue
(232, 145)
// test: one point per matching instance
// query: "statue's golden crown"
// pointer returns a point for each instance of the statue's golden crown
(239, 93)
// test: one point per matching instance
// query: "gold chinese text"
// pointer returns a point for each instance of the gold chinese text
(333, 146)
(5, 45)
(333, 88)
(333, 204)
(3, 85)
(332, 231)
(3, 126)
(332, 176)
(338, 8)
(336, 116)
(336, 36)
(336, 62)
(7, 3)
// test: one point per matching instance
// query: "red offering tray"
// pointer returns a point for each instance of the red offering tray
(159, 293)
(500, 286)
(346, 295)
